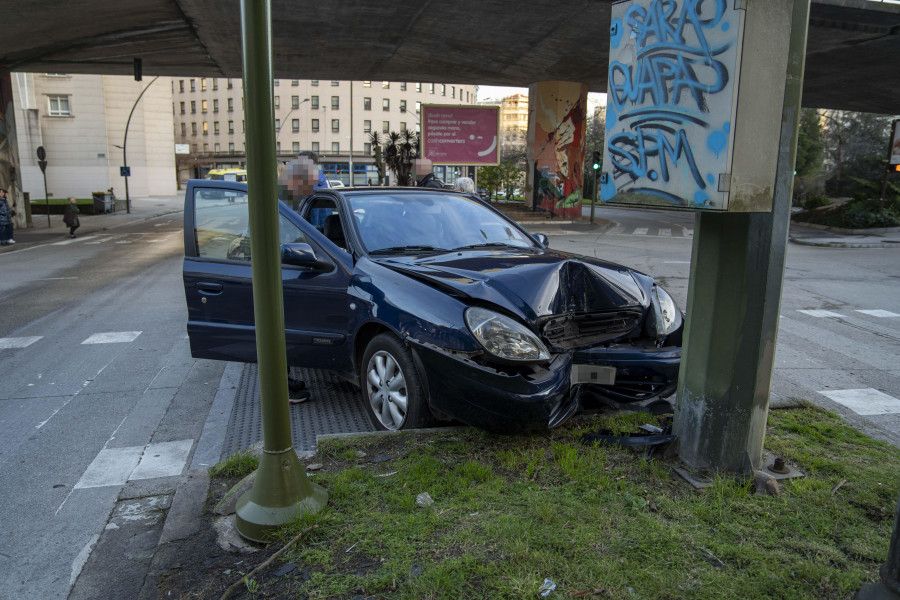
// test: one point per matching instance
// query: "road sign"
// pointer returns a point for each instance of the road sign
(125, 171)
(43, 165)
(41, 153)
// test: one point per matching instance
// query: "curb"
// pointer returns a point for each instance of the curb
(803, 242)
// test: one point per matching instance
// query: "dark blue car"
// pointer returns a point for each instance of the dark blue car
(439, 306)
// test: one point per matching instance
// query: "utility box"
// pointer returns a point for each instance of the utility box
(103, 203)
(694, 103)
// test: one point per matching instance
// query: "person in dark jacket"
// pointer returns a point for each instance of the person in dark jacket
(6, 223)
(424, 176)
(71, 217)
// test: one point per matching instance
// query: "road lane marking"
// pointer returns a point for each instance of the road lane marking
(81, 559)
(822, 314)
(111, 466)
(163, 460)
(865, 401)
(677, 262)
(18, 342)
(54, 278)
(112, 337)
(640, 231)
(665, 232)
(884, 314)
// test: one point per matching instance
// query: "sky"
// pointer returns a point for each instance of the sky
(498, 92)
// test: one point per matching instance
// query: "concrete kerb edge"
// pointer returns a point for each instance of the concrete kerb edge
(802, 242)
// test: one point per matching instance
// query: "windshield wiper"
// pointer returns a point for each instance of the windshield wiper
(488, 245)
(411, 249)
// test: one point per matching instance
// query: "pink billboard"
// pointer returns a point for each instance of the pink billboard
(461, 135)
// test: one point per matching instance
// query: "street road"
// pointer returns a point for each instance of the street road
(100, 402)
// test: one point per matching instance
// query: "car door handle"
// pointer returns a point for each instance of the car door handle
(209, 288)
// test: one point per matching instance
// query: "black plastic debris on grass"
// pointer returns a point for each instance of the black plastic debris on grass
(648, 436)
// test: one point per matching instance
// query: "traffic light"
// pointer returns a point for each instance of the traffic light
(596, 160)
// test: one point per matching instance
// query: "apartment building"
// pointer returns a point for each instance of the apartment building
(327, 117)
(80, 122)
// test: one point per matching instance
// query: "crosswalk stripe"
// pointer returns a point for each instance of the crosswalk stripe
(112, 337)
(18, 342)
(640, 231)
(865, 401)
(821, 314)
(884, 314)
(665, 232)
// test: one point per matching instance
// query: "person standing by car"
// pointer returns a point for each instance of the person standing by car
(6, 224)
(422, 171)
(465, 185)
(71, 216)
(323, 181)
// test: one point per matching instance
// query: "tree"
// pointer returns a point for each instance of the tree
(490, 178)
(810, 147)
(397, 153)
(594, 138)
(511, 176)
(854, 147)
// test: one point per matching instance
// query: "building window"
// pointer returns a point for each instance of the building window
(315, 146)
(385, 85)
(277, 83)
(295, 125)
(418, 107)
(295, 101)
(228, 84)
(403, 106)
(181, 85)
(367, 84)
(277, 147)
(277, 101)
(184, 129)
(231, 147)
(386, 126)
(216, 128)
(367, 104)
(193, 106)
(367, 126)
(231, 105)
(315, 126)
(205, 128)
(453, 91)
(314, 102)
(243, 126)
(336, 147)
(193, 86)
(367, 148)
(215, 105)
(295, 147)
(402, 125)
(386, 104)
(203, 106)
(335, 83)
(295, 82)
(403, 86)
(335, 102)
(277, 125)
(335, 125)
(193, 129)
(215, 88)
(182, 107)
(203, 84)
(431, 88)
(314, 82)
(443, 89)
(418, 87)
(206, 147)
(217, 148)
(194, 148)
(230, 126)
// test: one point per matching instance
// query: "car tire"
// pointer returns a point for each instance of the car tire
(392, 390)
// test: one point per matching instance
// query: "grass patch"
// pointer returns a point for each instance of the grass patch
(606, 522)
(238, 465)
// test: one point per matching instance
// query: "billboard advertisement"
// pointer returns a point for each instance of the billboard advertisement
(894, 158)
(461, 135)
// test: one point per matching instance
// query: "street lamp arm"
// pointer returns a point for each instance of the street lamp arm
(125, 143)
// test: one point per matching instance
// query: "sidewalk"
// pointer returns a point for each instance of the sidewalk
(141, 210)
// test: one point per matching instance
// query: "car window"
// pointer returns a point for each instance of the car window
(222, 227)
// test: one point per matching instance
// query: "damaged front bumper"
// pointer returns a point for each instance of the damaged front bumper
(514, 399)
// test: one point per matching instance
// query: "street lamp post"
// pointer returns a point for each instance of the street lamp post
(284, 121)
(125, 171)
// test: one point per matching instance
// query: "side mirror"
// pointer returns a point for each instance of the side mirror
(302, 255)
(542, 239)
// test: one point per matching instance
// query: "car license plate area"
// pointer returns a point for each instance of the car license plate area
(593, 374)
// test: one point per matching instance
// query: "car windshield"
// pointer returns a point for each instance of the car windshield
(430, 222)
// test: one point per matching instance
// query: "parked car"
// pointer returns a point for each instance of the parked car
(228, 175)
(437, 305)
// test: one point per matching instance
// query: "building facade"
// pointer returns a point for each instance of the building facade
(80, 122)
(327, 117)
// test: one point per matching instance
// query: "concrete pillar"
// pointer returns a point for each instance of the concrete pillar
(557, 112)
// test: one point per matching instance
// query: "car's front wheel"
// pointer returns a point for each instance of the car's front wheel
(391, 387)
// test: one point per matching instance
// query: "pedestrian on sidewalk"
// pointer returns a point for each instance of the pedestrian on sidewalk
(71, 216)
(6, 222)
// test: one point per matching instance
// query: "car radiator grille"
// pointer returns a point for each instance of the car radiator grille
(581, 329)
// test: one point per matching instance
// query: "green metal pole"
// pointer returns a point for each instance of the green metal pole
(281, 490)
(734, 298)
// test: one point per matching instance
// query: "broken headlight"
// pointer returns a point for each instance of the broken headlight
(665, 318)
(504, 338)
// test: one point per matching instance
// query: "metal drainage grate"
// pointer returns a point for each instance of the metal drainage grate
(334, 406)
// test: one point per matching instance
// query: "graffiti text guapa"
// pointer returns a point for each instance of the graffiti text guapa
(669, 59)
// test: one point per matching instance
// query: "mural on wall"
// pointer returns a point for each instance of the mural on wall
(672, 73)
(558, 151)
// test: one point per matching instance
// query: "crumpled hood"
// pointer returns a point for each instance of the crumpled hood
(532, 283)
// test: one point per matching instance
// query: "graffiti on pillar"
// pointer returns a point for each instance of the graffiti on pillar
(559, 128)
(672, 79)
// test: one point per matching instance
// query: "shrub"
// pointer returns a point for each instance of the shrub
(815, 201)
